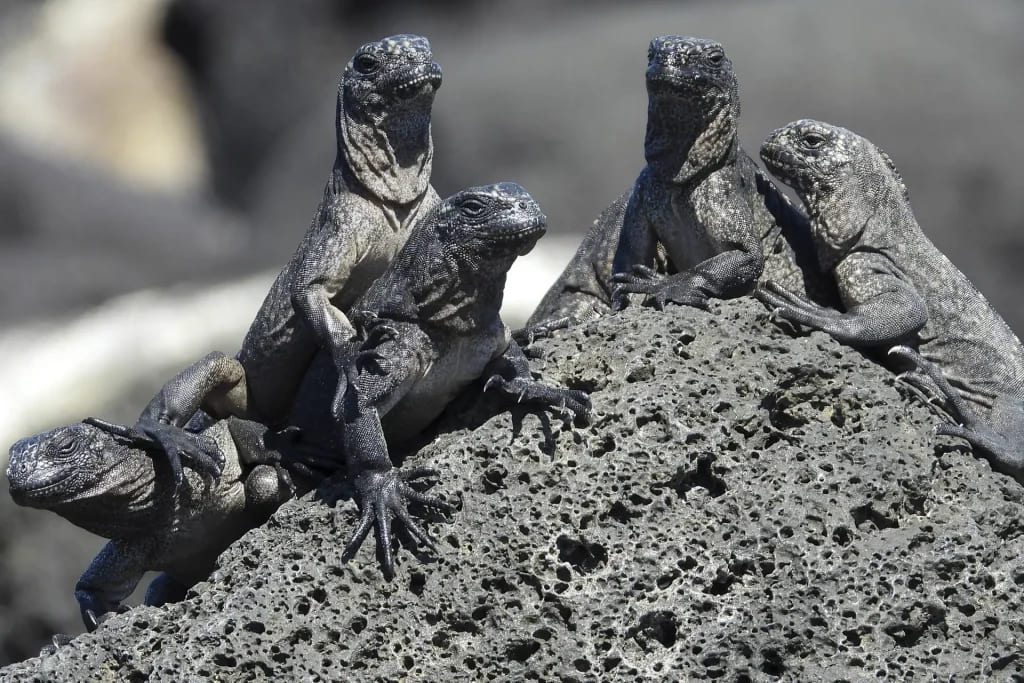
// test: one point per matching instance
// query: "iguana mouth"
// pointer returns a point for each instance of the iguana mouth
(524, 236)
(781, 159)
(666, 83)
(537, 227)
(25, 492)
(417, 84)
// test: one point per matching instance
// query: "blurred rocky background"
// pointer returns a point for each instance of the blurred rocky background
(159, 160)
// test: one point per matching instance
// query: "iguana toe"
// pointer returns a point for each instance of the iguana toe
(58, 641)
(384, 494)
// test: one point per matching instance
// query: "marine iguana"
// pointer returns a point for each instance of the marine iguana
(103, 478)
(378, 190)
(429, 327)
(897, 288)
(700, 207)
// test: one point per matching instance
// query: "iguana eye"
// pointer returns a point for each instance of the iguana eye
(366, 63)
(813, 140)
(474, 208)
(715, 57)
(67, 446)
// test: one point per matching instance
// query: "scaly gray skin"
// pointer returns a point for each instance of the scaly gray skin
(103, 478)
(700, 209)
(897, 288)
(378, 190)
(431, 327)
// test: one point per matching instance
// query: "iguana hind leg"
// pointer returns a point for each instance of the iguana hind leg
(999, 438)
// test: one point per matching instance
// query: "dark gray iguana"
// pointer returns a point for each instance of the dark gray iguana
(378, 190)
(897, 288)
(103, 478)
(430, 326)
(700, 207)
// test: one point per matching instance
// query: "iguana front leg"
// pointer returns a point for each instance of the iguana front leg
(377, 378)
(723, 276)
(110, 578)
(883, 319)
(509, 373)
(685, 289)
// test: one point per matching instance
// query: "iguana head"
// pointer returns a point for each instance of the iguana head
(451, 272)
(843, 179)
(384, 104)
(490, 223)
(85, 475)
(693, 106)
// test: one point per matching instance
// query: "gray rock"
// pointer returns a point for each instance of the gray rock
(743, 505)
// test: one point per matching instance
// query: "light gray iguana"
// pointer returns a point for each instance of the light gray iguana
(700, 209)
(897, 289)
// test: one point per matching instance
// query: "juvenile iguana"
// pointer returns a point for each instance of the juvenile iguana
(431, 327)
(896, 287)
(700, 209)
(103, 478)
(378, 190)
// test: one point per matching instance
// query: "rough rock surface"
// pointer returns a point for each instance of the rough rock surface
(743, 505)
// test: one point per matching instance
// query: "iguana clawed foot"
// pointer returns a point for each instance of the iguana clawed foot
(793, 307)
(58, 641)
(91, 619)
(1002, 451)
(525, 336)
(384, 494)
(681, 288)
(525, 390)
(177, 445)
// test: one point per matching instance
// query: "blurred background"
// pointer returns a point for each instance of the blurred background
(160, 159)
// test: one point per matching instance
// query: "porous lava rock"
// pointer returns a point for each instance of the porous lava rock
(743, 505)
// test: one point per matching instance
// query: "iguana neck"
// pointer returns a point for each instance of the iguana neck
(445, 289)
(683, 146)
(859, 215)
(391, 155)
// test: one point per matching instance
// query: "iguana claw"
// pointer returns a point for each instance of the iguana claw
(177, 445)
(383, 494)
(58, 641)
(525, 336)
(522, 389)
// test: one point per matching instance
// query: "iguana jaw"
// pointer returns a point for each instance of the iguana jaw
(420, 81)
(40, 489)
